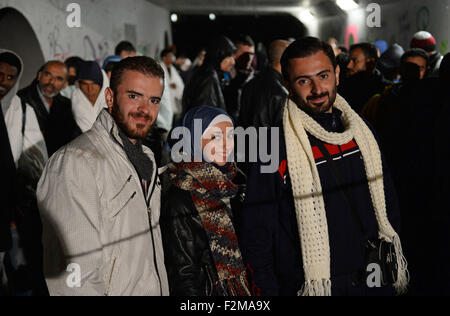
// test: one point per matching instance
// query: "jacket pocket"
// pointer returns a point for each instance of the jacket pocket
(122, 198)
(110, 277)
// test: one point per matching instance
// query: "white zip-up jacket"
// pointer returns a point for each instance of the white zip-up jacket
(97, 234)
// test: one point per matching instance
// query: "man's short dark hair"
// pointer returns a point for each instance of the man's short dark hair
(166, 52)
(415, 52)
(124, 46)
(142, 64)
(306, 47)
(369, 50)
(74, 62)
(245, 40)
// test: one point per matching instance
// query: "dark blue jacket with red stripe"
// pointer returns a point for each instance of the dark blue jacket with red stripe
(269, 235)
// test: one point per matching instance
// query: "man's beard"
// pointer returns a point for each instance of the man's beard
(51, 95)
(311, 109)
(137, 132)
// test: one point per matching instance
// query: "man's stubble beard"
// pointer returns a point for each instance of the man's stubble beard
(140, 132)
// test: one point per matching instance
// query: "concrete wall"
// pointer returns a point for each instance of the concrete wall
(104, 23)
(400, 19)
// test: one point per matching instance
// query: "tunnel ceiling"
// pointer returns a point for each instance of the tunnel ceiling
(241, 6)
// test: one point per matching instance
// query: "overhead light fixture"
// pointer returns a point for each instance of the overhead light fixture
(347, 5)
(305, 15)
(212, 16)
(174, 18)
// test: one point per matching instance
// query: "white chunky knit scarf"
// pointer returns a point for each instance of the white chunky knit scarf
(308, 197)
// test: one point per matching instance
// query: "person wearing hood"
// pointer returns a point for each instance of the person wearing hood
(25, 158)
(88, 99)
(201, 195)
(207, 82)
(54, 112)
(427, 42)
(389, 63)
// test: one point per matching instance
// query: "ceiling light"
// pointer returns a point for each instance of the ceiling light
(347, 5)
(174, 18)
(305, 15)
(212, 16)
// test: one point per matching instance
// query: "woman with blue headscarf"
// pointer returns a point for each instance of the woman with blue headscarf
(202, 254)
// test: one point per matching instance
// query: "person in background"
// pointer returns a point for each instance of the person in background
(389, 63)
(73, 64)
(54, 112)
(264, 97)
(109, 63)
(175, 81)
(88, 99)
(22, 249)
(125, 49)
(364, 79)
(427, 42)
(241, 74)
(202, 252)
(207, 82)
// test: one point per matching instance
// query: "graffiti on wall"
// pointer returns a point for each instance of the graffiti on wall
(97, 51)
(423, 19)
(58, 50)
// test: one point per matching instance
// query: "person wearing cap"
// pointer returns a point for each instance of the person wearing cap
(207, 83)
(109, 63)
(24, 155)
(427, 42)
(201, 195)
(88, 99)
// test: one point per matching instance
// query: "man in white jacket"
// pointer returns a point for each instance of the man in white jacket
(88, 99)
(100, 196)
(29, 155)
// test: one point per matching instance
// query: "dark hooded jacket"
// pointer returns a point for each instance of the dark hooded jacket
(206, 84)
(8, 171)
(59, 126)
(263, 100)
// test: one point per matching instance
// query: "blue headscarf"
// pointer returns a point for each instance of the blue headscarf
(206, 114)
(111, 59)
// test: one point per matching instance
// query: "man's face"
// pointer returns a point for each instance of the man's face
(313, 83)
(358, 62)
(241, 49)
(419, 61)
(52, 80)
(8, 78)
(168, 59)
(90, 89)
(227, 64)
(135, 105)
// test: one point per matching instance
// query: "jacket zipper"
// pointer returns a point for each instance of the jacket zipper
(108, 288)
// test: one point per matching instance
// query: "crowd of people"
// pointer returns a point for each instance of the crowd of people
(89, 178)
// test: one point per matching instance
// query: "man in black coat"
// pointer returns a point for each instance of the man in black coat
(264, 97)
(364, 79)
(282, 261)
(206, 85)
(54, 112)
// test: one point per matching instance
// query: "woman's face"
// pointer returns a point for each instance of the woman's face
(218, 143)
(227, 64)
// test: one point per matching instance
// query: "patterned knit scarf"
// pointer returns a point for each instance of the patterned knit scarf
(210, 190)
(308, 194)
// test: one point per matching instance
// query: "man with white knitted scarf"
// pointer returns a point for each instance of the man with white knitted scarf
(299, 235)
